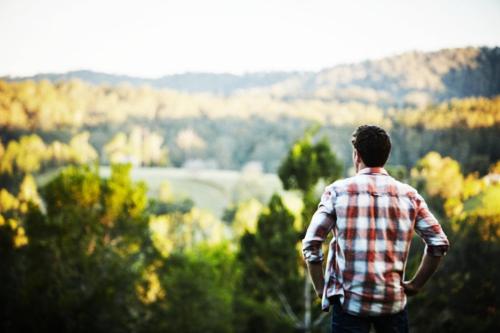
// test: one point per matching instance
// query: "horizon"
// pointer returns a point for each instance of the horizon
(154, 38)
(90, 70)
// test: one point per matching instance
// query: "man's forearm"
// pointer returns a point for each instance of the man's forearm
(316, 273)
(428, 266)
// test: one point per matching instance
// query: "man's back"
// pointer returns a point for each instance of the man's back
(372, 217)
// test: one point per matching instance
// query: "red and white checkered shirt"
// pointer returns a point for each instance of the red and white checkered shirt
(372, 217)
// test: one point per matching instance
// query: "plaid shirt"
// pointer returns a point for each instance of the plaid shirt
(372, 217)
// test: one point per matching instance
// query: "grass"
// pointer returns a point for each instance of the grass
(212, 190)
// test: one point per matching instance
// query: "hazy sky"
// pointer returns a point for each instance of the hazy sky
(153, 38)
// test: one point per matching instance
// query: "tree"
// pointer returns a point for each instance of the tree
(442, 175)
(139, 147)
(305, 164)
(301, 170)
(83, 260)
(28, 193)
(464, 291)
(199, 285)
(243, 217)
(82, 151)
(270, 279)
(180, 230)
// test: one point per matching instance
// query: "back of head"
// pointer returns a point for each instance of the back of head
(373, 145)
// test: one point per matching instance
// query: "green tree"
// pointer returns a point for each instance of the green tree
(199, 286)
(307, 163)
(464, 291)
(270, 283)
(79, 270)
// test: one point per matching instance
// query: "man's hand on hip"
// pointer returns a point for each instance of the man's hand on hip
(410, 288)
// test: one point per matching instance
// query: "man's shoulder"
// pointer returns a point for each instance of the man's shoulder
(344, 185)
(406, 189)
(340, 184)
(389, 183)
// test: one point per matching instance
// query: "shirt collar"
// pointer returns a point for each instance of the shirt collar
(371, 171)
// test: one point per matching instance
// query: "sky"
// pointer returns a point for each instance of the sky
(151, 38)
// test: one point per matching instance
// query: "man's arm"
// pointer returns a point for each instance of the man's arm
(315, 270)
(437, 244)
(322, 222)
(428, 266)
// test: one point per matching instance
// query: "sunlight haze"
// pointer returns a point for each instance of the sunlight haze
(153, 38)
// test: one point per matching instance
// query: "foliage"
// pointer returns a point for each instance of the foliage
(474, 112)
(86, 265)
(463, 292)
(243, 217)
(183, 231)
(463, 295)
(434, 93)
(305, 164)
(30, 154)
(79, 269)
(84, 253)
(199, 286)
(270, 286)
(442, 175)
(412, 78)
(140, 147)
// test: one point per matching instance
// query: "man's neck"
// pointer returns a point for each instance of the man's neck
(360, 166)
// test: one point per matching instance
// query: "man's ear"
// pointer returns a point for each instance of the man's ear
(357, 157)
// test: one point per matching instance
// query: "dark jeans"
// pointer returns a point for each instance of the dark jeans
(343, 322)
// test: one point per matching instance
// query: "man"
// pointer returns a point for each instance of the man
(372, 217)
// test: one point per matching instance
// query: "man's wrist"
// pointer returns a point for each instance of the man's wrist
(414, 285)
(410, 288)
(316, 273)
(319, 292)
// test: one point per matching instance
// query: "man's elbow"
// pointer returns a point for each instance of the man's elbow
(312, 254)
(437, 250)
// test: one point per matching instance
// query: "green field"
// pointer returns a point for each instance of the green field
(211, 190)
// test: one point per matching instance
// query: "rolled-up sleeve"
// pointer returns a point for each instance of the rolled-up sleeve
(429, 229)
(321, 223)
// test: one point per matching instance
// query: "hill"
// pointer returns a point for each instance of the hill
(221, 84)
(409, 79)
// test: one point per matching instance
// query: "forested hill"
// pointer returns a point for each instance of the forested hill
(216, 83)
(409, 79)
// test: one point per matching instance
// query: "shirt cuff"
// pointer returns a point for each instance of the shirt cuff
(313, 256)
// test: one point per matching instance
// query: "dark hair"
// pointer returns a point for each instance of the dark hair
(373, 145)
